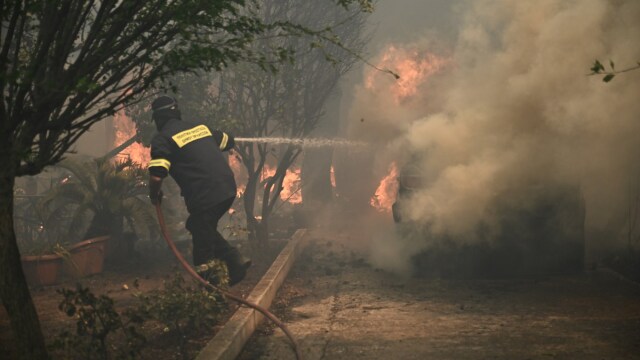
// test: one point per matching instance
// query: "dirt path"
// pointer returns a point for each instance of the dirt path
(347, 310)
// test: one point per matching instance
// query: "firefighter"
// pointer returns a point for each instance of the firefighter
(192, 155)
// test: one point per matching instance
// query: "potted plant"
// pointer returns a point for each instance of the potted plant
(111, 198)
(42, 253)
(87, 257)
(42, 270)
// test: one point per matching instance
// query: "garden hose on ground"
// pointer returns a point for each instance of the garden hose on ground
(195, 275)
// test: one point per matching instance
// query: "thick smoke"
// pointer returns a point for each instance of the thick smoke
(518, 111)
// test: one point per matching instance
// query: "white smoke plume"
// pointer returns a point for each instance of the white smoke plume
(517, 110)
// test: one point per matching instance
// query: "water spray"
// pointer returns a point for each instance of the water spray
(309, 142)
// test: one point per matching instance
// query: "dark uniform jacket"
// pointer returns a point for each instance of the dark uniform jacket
(192, 155)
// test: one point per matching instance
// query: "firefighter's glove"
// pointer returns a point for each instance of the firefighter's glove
(156, 198)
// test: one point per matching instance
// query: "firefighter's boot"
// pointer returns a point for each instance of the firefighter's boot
(237, 264)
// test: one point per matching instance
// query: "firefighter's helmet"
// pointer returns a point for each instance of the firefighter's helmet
(164, 102)
(164, 108)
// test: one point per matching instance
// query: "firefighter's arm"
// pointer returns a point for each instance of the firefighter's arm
(224, 140)
(159, 167)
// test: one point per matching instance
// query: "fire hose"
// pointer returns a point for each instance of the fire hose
(195, 275)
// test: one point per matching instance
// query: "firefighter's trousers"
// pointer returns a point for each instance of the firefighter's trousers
(208, 243)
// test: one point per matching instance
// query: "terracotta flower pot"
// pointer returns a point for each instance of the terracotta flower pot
(42, 270)
(87, 257)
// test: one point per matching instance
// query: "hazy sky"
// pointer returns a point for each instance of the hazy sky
(410, 20)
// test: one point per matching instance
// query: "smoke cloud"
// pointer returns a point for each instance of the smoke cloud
(515, 110)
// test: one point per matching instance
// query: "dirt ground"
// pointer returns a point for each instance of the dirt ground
(117, 283)
(340, 308)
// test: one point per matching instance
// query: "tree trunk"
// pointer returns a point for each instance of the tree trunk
(316, 177)
(118, 149)
(14, 292)
(262, 232)
(317, 189)
(249, 198)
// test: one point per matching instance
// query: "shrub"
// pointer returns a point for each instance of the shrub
(97, 321)
(183, 307)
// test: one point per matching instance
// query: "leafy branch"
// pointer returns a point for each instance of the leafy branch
(599, 69)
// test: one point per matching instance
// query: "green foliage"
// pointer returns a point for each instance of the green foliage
(108, 194)
(599, 69)
(97, 322)
(38, 230)
(215, 272)
(66, 65)
(183, 307)
(365, 5)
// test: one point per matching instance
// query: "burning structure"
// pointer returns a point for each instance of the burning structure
(529, 230)
(514, 142)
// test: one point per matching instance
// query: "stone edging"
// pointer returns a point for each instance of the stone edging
(229, 341)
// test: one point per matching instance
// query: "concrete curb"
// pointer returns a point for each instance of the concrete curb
(229, 341)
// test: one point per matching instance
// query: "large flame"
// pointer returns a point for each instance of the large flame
(413, 67)
(387, 191)
(124, 129)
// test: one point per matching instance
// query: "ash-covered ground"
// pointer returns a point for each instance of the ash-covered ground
(339, 307)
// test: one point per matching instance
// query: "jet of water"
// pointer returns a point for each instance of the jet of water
(311, 142)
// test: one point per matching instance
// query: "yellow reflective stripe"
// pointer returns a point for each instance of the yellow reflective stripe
(225, 139)
(184, 137)
(160, 162)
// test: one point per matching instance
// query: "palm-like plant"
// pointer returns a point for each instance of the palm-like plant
(106, 195)
(37, 231)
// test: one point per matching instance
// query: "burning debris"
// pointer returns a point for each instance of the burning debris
(387, 191)
(413, 66)
(239, 172)
(291, 185)
(124, 129)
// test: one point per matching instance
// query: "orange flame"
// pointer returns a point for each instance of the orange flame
(333, 177)
(291, 185)
(387, 191)
(291, 191)
(239, 173)
(267, 172)
(413, 67)
(124, 130)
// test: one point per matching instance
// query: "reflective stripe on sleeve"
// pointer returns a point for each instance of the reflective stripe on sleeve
(225, 139)
(160, 162)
